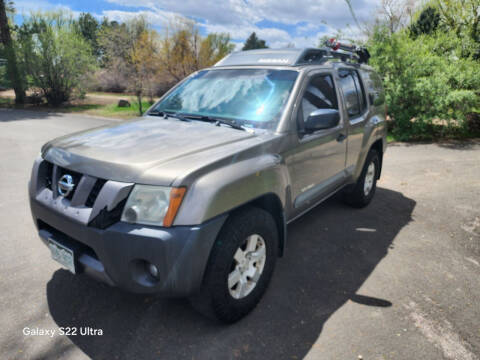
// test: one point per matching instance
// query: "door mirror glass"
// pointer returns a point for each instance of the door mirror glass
(322, 119)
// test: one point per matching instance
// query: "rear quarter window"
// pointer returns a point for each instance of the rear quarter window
(353, 92)
(374, 87)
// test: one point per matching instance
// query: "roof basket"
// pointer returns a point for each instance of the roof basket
(334, 50)
(358, 53)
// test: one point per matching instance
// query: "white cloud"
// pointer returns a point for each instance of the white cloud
(239, 17)
(156, 18)
(242, 32)
(26, 7)
(307, 28)
(309, 19)
(218, 12)
(233, 12)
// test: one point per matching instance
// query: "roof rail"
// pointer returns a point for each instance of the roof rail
(295, 57)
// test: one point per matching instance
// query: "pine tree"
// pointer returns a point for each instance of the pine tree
(13, 71)
(427, 22)
(253, 42)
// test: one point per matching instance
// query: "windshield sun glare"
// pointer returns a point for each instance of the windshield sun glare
(251, 97)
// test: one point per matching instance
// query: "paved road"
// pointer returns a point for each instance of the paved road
(397, 280)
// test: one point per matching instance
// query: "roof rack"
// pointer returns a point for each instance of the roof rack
(334, 50)
(296, 57)
(360, 53)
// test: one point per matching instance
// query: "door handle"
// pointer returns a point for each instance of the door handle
(341, 137)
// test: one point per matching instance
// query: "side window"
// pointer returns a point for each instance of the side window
(353, 93)
(360, 91)
(319, 94)
(374, 88)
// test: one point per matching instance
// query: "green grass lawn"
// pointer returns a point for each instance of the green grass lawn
(6, 102)
(109, 110)
(113, 110)
(106, 94)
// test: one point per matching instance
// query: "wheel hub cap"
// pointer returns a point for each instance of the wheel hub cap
(247, 266)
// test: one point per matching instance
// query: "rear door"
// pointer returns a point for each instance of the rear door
(319, 159)
(356, 109)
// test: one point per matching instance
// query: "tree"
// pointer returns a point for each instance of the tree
(183, 50)
(89, 27)
(463, 18)
(253, 42)
(426, 23)
(113, 41)
(14, 73)
(396, 14)
(55, 56)
(116, 42)
(179, 48)
(144, 65)
(430, 88)
(213, 48)
(149, 62)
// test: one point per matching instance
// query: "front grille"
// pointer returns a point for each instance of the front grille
(83, 202)
(50, 174)
(94, 193)
(76, 179)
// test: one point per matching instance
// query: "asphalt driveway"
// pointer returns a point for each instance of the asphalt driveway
(397, 280)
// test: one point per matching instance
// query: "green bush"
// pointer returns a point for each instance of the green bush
(430, 85)
(55, 56)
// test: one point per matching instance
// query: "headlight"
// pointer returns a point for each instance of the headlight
(153, 205)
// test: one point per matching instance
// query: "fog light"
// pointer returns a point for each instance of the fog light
(153, 270)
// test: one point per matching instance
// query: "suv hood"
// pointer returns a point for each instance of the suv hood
(148, 150)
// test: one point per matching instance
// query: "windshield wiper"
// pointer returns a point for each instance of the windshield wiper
(188, 117)
(217, 121)
(165, 115)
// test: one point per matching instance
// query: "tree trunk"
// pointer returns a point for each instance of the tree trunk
(139, 99)
(12, 68)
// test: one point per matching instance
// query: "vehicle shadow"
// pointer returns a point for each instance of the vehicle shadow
(331, 251)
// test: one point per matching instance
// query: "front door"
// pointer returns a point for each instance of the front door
(319, 161)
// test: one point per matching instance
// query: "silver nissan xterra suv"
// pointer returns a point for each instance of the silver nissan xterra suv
(193, 199)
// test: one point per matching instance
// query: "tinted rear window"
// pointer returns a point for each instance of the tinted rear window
(374, 87)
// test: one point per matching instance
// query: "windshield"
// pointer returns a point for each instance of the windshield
(252, 97)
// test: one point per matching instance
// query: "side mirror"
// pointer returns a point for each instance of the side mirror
(322, 119)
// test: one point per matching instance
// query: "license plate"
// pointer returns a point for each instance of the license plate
(62, 254)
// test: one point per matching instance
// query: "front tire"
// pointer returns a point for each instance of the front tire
(240, 266)
(363, 191)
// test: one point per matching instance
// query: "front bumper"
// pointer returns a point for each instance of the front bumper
(117, 255)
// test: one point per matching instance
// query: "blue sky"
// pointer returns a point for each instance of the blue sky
(279, 22)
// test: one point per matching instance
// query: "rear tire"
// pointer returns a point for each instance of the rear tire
(363, 191)
(240, 266)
